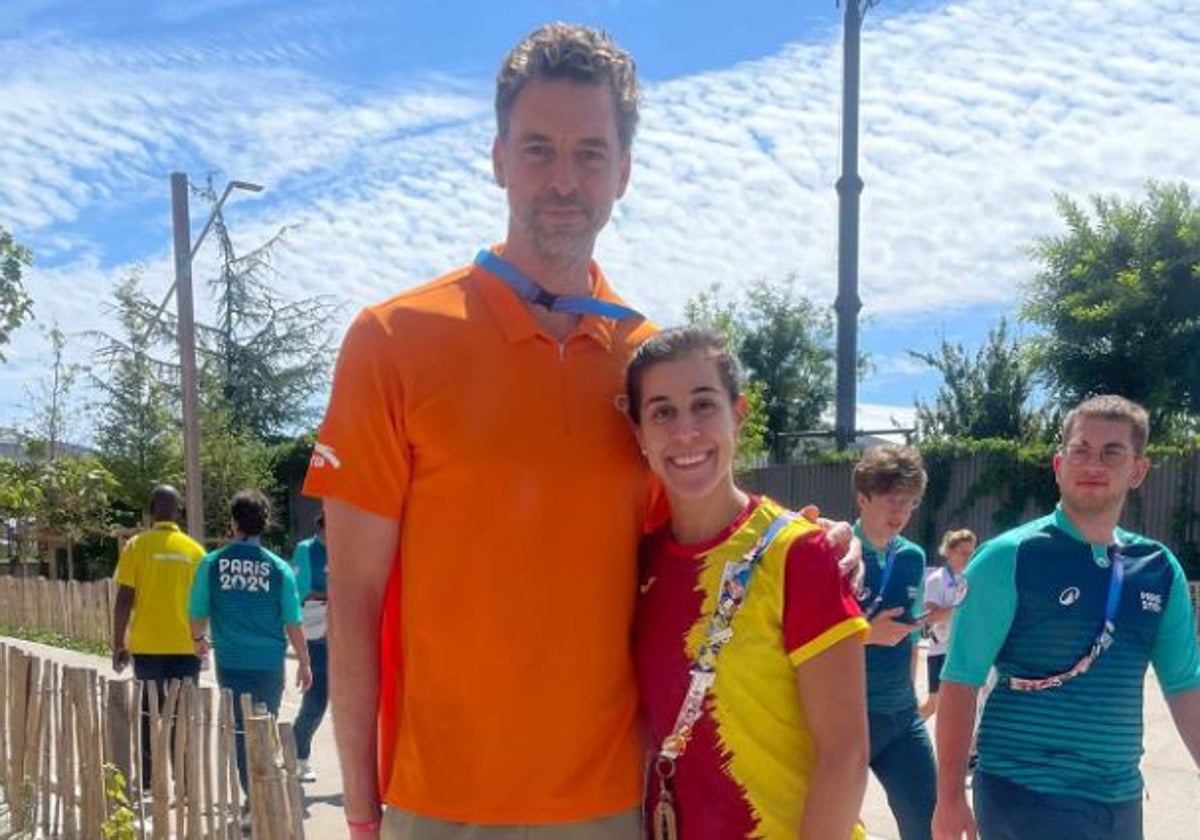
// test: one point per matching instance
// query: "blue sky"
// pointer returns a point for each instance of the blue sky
(369, 124)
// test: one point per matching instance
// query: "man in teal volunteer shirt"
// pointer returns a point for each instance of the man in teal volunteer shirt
(1071, 610)
(249, 595)
(310, 560)
(888, 483)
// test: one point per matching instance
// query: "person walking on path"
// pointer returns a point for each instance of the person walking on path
(888, 483)
(247, 595)
(1071, 610)
(310, 560)
(945, 589)
(150, 618)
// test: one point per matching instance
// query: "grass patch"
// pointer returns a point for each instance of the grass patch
(47, 637)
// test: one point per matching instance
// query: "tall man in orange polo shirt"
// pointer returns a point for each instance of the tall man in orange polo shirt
(475, 469)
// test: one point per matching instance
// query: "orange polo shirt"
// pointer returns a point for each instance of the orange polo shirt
(509, 693)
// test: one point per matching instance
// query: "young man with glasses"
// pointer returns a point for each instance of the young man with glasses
(1071, 610)
(888, 483)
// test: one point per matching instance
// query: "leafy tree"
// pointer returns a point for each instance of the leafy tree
(708, 310)
(73, 503)
(15, 305)
(136, 430)
(785, 344)
(19, 496)
(788, 347)
(233, 459)
(986, 395)
(268, 355)
(1118, 296)
(51, 401)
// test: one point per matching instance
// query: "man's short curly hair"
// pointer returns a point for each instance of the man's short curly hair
(890, 468)
(574, 52)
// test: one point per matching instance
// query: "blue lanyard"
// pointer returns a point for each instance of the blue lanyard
(1104, 638)
(889, 564)
(529, 290)
(1114, 593)
(1102, 642)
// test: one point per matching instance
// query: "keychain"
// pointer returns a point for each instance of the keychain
(664, 811)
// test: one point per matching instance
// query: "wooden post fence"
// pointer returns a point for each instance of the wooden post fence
(65, 732)
(78, 610)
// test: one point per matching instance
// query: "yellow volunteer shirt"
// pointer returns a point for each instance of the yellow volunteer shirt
(159, 565)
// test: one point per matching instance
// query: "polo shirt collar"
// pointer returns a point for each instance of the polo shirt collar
(879, 552)
(515, 320)
(1064, 523)
(165, 526)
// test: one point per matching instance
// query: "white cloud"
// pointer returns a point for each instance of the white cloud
(973, 115)
(901, 366)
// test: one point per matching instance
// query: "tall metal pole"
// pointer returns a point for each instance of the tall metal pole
(849, 188)
(181, 224)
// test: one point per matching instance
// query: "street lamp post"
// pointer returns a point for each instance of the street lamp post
(185, 250)
(849, 189)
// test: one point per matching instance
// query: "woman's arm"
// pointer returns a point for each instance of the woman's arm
(832, 687)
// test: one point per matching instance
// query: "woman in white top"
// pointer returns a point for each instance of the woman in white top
(944, 588)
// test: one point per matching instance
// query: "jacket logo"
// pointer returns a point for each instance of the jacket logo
(1069, 596)
(1152, 602)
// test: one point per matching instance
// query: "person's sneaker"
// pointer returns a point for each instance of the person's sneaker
(246, 821)
(305, 772)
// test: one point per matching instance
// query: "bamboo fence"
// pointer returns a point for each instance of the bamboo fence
(75, 609)
(67, 735)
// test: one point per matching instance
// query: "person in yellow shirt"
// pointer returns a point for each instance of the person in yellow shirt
(150, 620)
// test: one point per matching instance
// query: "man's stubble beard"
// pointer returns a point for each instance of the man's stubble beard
(563, 246)
(1107, 505)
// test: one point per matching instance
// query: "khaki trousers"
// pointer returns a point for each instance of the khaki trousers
(402, 825)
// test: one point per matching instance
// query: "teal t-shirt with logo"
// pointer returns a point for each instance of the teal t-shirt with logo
(889, 669)
(248, 594)
(1036, 600)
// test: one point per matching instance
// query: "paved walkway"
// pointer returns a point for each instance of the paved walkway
(1173, 792)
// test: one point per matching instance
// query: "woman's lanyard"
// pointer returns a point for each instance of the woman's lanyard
(529, 290)
(888, 565)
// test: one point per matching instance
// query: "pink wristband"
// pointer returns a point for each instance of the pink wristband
(368, 827)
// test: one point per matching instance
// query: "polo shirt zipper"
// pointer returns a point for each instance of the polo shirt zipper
(564, 390)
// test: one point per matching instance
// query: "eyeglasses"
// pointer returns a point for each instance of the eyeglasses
(1080, 455)
(899, 502)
